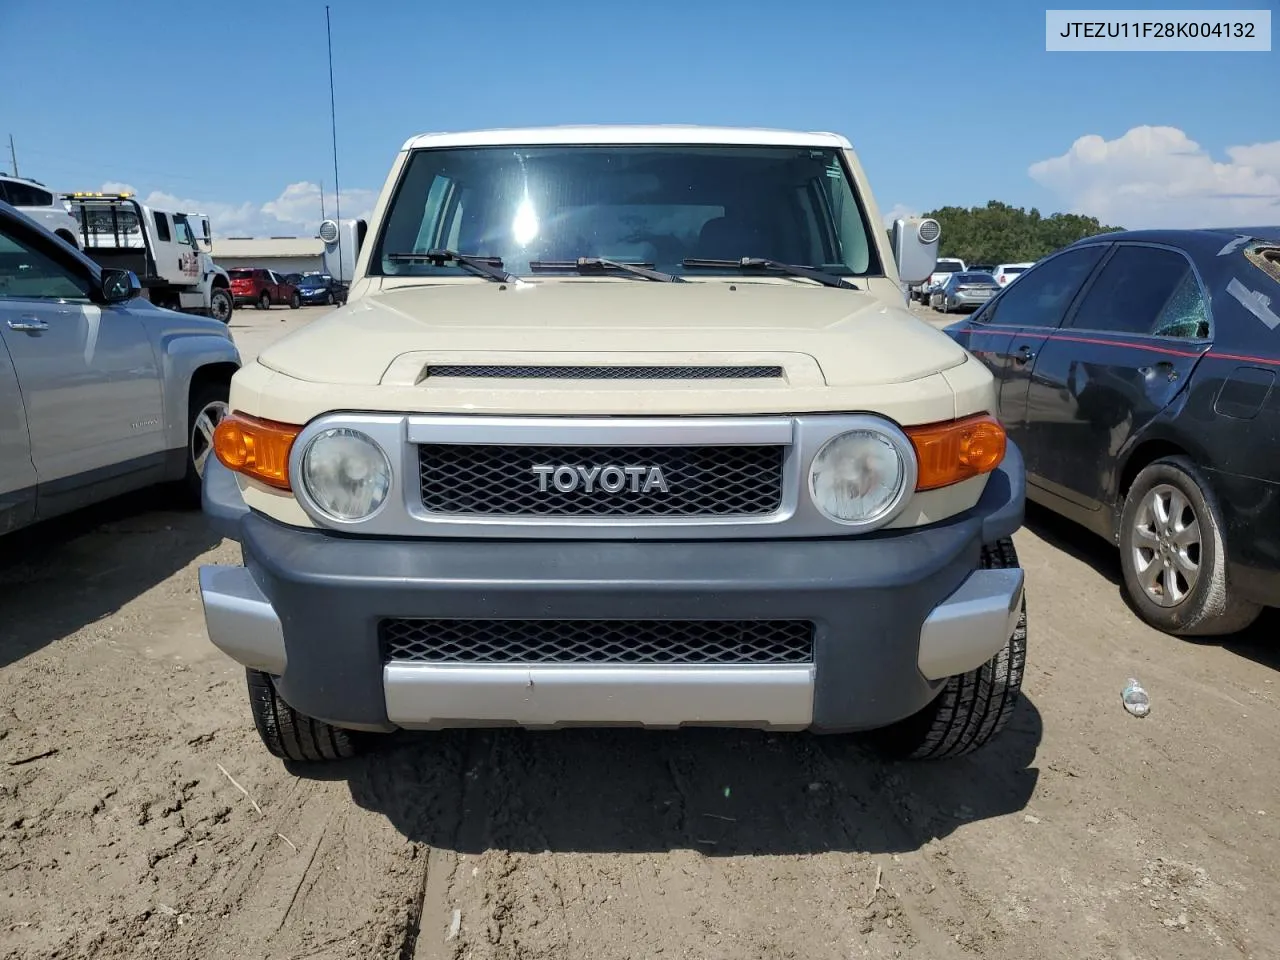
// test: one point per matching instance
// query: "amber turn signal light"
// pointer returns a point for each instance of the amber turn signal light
(956, 450)
(257, 448)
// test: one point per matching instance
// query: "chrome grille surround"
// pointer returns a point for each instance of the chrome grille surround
(405, 515)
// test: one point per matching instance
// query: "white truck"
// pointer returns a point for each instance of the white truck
(171, 253)
(941, 270)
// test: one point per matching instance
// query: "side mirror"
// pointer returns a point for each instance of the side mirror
(362, 228)
(118, 286)
(915, 248)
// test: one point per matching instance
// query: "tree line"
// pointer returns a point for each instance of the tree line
(999, 233)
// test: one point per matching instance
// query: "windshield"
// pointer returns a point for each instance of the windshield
(655, 205)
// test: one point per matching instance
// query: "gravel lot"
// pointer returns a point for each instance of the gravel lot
(1083, 833)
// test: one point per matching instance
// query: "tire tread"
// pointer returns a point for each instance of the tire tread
(290, 735)
(973, 707)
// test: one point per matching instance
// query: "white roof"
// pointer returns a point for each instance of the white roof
(627, 133)
(266, 247)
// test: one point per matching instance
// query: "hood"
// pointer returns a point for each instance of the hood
(831, 336)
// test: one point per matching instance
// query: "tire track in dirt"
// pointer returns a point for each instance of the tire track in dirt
(699, 843)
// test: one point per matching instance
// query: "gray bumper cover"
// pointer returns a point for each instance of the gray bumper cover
(895, 613)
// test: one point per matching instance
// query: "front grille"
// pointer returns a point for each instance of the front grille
(546, 372)
(726, 481)
(598, 641)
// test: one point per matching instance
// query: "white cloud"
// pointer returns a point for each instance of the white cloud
(300, 203)
(295, 212)
(899, 210)
(1160, 177)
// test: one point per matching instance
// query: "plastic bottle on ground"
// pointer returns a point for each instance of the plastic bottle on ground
(1135, 699)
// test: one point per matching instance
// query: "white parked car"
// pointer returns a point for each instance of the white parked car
(1006, 273)
(42, 205)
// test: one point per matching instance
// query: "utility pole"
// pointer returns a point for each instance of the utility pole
(13, 155)
(333, 120)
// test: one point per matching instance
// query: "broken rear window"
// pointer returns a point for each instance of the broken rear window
(1266, 257)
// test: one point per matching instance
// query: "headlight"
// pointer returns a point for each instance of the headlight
(858, 477)
(346, 474)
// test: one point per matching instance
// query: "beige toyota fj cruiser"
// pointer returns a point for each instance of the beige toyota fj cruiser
(622, 426)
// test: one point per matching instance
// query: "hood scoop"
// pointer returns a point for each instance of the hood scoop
(612, 372)
(473, 371)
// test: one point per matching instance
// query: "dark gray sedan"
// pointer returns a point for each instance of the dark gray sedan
(963, 291)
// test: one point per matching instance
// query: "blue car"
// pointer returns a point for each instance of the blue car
(321, 288)
(1137, 374)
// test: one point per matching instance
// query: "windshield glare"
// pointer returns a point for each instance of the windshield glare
(640, 204)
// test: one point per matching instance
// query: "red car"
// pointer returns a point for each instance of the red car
(262, 288)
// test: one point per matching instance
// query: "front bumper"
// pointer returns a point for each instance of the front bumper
(956, 303)
(894, 614)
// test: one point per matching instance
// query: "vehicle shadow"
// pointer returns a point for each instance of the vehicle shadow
(1256, 642)
(723, 792)
(1074, 540)
(65, 573)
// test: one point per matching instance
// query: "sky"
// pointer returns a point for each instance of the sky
(224, 108)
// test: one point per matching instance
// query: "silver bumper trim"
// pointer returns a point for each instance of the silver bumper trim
(432, 696)
(969, 627)
(240, 620)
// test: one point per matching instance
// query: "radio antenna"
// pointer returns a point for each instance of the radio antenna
(333, 120)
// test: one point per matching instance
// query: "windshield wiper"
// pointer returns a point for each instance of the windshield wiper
(490, 267)
(763, 263)
(586, 264)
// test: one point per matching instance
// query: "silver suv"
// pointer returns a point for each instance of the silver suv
(101, 391)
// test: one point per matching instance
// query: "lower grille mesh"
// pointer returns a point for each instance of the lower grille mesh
(598, 641)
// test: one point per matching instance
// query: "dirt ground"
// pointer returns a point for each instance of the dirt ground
(140, 816)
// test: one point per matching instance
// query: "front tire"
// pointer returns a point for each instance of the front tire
(264, 301)
(290, 735)
(328, 299)
(295, 301)
(1173, 555)
(221, 304)
(972, 707)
